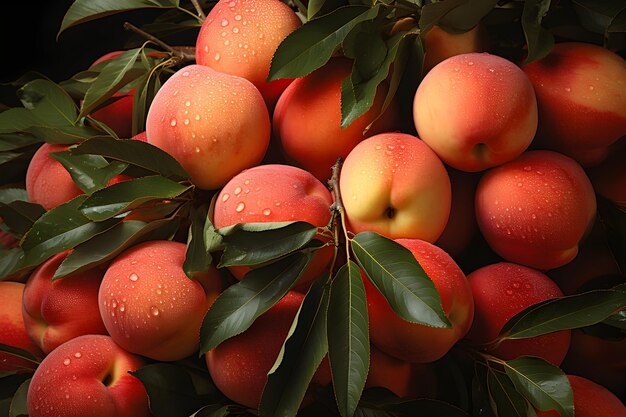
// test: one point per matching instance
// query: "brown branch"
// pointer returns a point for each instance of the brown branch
(175, 51)
(201, 14)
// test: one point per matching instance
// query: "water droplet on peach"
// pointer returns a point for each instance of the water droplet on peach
(240, 207)
(133, 277)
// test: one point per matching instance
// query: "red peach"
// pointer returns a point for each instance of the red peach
(12, 328)
(394, 184)
(415, 342)
(307, 120)
(58, 311)
(476, 111)
(240, 37)
(87, 376)
(609, 178)
(501, 291)
(214, 124)
(535, 210)
(581, 93)
(150, 307)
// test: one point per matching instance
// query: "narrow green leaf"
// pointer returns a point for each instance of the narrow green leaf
(49, 102)
(617, 320)
(422, 407)
(214, 410)
(312, 45)
(63, 134)
(348, 337)
(240, 304)
(539, 40)
(106, 246)
(543, 384)
(244, 246)
(213, 241)
(300, 356)
(19, 406)
(395, 272)
(62, 228)
(197, 257)
(507, 401)
(82, 11)
(564, 313)
(15, 141)
(124, 196)
(136, 153)
(20, 353)
(20, 216)
(433, 13)
(18, 119)
(89, 172)
(10, 262)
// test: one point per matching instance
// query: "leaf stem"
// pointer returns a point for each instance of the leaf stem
(177, 53)
(338, 207)
(201, 14)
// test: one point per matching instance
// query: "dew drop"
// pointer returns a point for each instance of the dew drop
(173, 122)
(224, 23)
(235, 30)
(197, 149)
(225, 197)
(237, 190)
(238, 17)
(470, 63)
(240, 207)
(591, 88)
(186, 122)
(197, 117)
(186, 74)
(66, 361)
(206, 48)
(217, 57)
(154, 311)
(133, 277)
(187, 103)
(267, 212)
(231, 4)
(378, 147)
(568, 89)
(519, 184)
(527, 168)
(509, 292)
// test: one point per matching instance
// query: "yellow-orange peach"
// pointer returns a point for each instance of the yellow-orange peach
(535, 210)
(581, 93)
(47, 182)
(440, 45)
(501, 291)
(395, 185)
(415, 342)
(240, 37)
(276, 193)
(590, 400)
(214, 124)
(307, 120)
(87, 376)
(239, 365)
(476, 111)
(55, 312)
(12, 328)
(150, 307)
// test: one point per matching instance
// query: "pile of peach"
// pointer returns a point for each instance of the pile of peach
(512, 155)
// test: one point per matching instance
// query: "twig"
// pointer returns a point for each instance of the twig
(338, 208)
(178, 53)
(198, 9)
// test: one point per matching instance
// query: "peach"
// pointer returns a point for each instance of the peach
(214, 124)
(276, 193)
(57, 311)
(240, 37)
(440, 44)
(47, 182)
(536, 209)
(12, 329)
(609, 178)
(239, 365)
(415, 342)
(476, 111)
(581, 93)
(501, 291)
(590, 400)
(150, 307)
(87, 376)
(395, 185)
(307, 119)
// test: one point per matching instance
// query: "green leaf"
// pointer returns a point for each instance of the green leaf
(136, 153)
(505, 398)
(317, 8)
(564, 313)
(19, 406)
(18, 119)
(10, 262)
(8, 195)
(15, 141)
(395, 272)
(89, 172)
(539, 40)
(300, 356)
(467, 15)
(617, 320)
(85, 10)
(213, 241)
(543, 384)
(197, 257)
(124, 196)
(433, 13)
(214, 410)
(63, 134)
(106, 246)
(348, 337)
(598, 16)
(62, 228)
(49, 102)
(422, 407)
(239, 305)
(311, 46)
(256, 244)
(170, 389)
(147, 87)
(20, 216)
(20, 353)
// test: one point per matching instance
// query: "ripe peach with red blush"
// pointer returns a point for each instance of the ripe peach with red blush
(501, 291)
(150, 307)
(581, 93)
(476, 111)
(60, 310)
(87, 376)
(12, 329)
(214, 124)
(415, 342)
(240, 37)
(536, 209)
